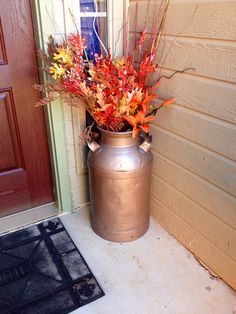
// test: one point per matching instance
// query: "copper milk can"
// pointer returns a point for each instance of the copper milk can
(119, 175)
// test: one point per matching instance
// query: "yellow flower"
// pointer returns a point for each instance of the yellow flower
(56, 70)
(123, 108)
(120, 62)
(64, 56)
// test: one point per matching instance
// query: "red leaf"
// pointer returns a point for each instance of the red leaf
(168, 101)
(145, 128)
(135, 132)
(131, 120)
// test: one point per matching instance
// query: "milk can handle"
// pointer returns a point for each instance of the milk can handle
(95, 147)
(146, 145)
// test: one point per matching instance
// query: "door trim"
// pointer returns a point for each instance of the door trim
(27, 217)
(54, 120)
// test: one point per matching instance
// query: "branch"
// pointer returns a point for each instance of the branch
(177, 71)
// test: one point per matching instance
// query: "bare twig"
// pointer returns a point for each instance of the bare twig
(87, 134)
(175, 72)
(179, 33)
(74, 21)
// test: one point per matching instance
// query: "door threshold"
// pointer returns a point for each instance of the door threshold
(27, 217)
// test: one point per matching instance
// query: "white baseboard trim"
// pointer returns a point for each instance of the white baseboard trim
(28, 217)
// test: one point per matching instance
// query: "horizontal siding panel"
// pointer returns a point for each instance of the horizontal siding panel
(208, 19)
(207, 252)
(208, 165)
(219, 233)
(209, 58)
(202, 192)
(204, 95)
(194, 140)
(212, 133)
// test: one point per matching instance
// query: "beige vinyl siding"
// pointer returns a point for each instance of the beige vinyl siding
(194, 140)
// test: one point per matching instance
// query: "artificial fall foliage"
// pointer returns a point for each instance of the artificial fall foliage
(114, 92)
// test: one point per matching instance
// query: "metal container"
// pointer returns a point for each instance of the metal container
(119, 175)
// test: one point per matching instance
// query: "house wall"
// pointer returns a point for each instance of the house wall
(194, 171)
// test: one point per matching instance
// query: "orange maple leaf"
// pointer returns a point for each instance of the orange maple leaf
(139, 122)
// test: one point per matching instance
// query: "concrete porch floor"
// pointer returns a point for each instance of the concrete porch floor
(154, 274)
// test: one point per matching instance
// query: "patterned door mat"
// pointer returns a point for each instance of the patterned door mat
(42, 272)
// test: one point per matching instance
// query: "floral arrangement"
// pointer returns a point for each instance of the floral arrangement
(114, 91)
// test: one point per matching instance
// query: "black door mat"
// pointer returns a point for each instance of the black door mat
(42, 272)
